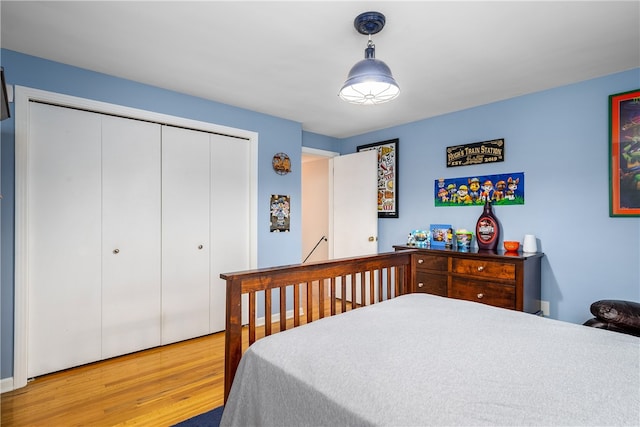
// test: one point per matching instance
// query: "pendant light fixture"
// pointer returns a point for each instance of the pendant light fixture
(370, 81)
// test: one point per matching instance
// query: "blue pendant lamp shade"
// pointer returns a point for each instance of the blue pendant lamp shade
(370, 81)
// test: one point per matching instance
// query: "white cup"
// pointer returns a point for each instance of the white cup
(529, 244)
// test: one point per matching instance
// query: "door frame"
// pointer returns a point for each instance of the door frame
(327, 155)
(331, 156)
(25, 95)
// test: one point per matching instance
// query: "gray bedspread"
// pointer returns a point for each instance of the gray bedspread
(420, 360)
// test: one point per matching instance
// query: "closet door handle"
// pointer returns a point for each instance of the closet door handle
(116, 251)
(200, 246)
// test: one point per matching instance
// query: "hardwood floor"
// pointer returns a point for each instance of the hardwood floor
(156, 387)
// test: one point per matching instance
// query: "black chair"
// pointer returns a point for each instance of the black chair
(616, 315)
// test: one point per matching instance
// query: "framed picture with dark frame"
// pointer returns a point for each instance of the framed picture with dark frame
(624, 154)
(387, 176)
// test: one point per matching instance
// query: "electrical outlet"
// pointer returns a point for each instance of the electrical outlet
(544, 306)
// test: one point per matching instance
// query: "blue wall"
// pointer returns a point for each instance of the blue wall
(558, 138)
(321, 142)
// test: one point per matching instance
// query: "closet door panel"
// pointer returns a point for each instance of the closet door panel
(230, 210)
(131, 236)
(185, 234)
(63, 239)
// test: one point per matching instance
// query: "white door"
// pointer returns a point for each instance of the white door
(185, 233)
(130, 235)
(355, 205)
(355, 210)
(230, 218)
(64, 232)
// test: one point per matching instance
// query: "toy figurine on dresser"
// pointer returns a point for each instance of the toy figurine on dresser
(487, 228)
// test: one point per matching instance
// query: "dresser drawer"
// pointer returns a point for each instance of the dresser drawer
(484, 292)
(430, 283)
(430, 262)
(484, 268)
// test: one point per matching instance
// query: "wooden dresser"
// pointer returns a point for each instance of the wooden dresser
(496, 278)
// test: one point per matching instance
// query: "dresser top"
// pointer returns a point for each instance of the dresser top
(474, 252)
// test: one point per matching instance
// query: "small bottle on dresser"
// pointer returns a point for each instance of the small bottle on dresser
(487, 228)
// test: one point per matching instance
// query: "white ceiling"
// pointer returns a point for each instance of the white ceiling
(289, 59)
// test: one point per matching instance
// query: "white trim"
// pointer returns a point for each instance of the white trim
(331, 186)
(260, 321)
(23, 96)
(6, 384)
(318, 152)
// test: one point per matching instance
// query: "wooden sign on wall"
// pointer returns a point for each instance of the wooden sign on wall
(476, 153)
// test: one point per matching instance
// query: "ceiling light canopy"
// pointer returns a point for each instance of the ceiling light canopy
(370, 81)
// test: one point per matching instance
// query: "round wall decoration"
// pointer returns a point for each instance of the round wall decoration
(281, 164)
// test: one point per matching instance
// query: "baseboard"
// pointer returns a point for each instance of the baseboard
(276, 317)
(6, 384)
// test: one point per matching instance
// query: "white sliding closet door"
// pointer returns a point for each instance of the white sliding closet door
(64, 230)
(230, 217)
(123, 226)
(185, 233)
(131, 236)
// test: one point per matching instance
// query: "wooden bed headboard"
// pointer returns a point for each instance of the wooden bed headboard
(318, 289)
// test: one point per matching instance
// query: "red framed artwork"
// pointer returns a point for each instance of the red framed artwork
(624, 154)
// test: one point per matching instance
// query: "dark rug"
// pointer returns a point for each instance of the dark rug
(208, 419)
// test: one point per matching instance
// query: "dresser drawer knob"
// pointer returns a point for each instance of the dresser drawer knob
(480, 296)
(420, 284)
(420, 261)
(480, 268)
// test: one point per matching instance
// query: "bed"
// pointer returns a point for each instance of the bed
(419, 359)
